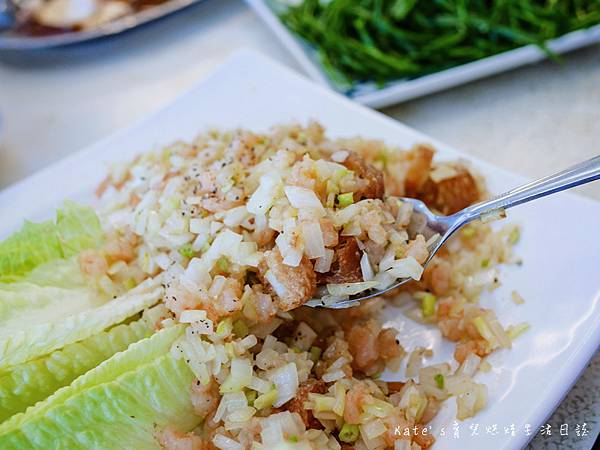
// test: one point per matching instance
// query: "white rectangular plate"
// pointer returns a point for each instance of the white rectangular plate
(559, 245)
(371, 95)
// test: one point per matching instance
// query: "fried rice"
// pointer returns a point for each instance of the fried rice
(242, 228)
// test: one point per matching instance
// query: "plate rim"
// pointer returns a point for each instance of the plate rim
(579, 358)
(400, 91)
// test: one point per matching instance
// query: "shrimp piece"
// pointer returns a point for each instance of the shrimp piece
(227, 300)
(178, 298)
(418, 249)
(393, 422)
(291, 286)
(388, 345)
(171, 439)
(265, 307)
(205, 399)
(216, 202)
(303, 174)
(92, 263)
(330, 235)
(121, 248)
(134, 200)
(244, 151)
(438, 276)
(423, 439)
(431, 410)
(478, 346)
(357, 396)
(102, 187)
(362, 343)
(208, 183)
(264, 237)
(371, 222)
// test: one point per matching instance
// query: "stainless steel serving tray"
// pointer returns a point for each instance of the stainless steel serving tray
(13, 41)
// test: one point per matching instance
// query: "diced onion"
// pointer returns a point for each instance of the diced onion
(240, 376)
(372, 429)
(496, 214)
(304, 336)
(235, 216)
(442, 172)
(514, 331)
(260, 385)
(263, 197)
(339, 156)
(406, 268)
(300, 197)
(225, 443)
(323, 264)
(330, 377)
(343, 289)
(192, 315)
(471, 402)
(286, 380)
(470, 365)
(365, 268)
(517, 298)
(313, 239)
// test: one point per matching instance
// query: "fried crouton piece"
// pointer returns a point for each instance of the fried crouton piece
(419, 166)
(372, 178)
(291, 286)
(346, 263)
(451, 194)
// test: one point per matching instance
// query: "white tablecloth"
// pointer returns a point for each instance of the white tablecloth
(533, 121)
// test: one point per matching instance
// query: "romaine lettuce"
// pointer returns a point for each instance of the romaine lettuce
(34, 340)
(28, 304)
(123, 414)
(35, 380)
(76, 228)
(119, 404)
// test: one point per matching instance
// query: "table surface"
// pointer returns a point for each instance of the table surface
(55, 102)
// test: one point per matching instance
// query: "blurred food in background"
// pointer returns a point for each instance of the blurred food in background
(385, 40)
(48, 17)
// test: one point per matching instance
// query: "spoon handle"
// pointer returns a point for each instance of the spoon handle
(581, 173)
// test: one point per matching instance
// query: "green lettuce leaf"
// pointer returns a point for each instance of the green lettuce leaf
(26, 303)
(136, 358)
(76, 228)
(59, 273)
(31, 341)
(122, 414)
(35, 380)
(34, 244)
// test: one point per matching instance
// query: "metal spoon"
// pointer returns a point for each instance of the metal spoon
(427, 223)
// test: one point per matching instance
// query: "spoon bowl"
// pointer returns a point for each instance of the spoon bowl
(438, 229)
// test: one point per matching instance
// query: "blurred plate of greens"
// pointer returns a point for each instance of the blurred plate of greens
(380, 52)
